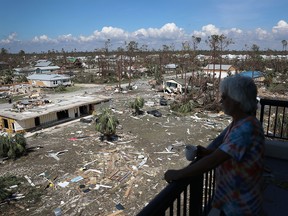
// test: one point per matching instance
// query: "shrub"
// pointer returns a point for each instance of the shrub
(137, 104)
(60, 88)
(32, 194)
(106, 124)
(5, 183)
(12, 146)
(184, 108)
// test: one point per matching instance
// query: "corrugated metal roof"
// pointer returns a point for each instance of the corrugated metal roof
(217, 67)
(47, 68)
(47, 77)
(43, 63)
(254, 74)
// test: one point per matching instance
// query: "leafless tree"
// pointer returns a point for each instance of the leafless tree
(284, 44)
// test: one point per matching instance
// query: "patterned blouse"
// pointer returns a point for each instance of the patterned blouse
(238, 180)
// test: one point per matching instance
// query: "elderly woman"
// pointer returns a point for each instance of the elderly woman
(237, 153)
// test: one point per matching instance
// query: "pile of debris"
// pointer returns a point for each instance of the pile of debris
(23, 105)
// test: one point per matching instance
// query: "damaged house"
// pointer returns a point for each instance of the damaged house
(30, 115)
(41, 67)
(175, 85)
(219, 70)
(49, 80)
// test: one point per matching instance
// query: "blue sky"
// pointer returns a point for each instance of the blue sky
(42, 25)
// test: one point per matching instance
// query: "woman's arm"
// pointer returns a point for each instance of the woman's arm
(218, 140)
(202, 152)
(205, 164)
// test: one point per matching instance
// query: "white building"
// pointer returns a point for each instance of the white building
(49, 80)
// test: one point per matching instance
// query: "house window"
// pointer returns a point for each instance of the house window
(5, 122)
(172, 85)
(55, 82)
(37, 121)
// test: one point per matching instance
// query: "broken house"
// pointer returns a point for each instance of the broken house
(49, 80)
(46, 70)
(30, 115)
(45, 67)
(169, 68)
(175, 85)
(74, 62)
(219, 70)
(41, 67)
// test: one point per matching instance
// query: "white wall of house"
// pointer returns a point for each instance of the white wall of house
(30, 123)
(24, 124)
(44, 120)
(52, 83)
(223, 74)
(50, 117)
(173, 86)
(71, 113)
(66, 82)
(17, 126)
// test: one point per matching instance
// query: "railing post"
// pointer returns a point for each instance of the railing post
(196, 196)
(262, 111)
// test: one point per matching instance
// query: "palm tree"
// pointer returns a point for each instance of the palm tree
(106, 124)
(8, 76)
(12, 146)
(137, 104)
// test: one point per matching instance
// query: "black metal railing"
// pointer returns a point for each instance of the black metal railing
(274, 118)
(186, 197)
(193, 196)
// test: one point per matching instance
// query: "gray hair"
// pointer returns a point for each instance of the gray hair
(241, 89)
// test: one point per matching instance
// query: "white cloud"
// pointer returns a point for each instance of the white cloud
(9, 39)
(210, 30)
(86, 39)
(111, 31)
(262, 34)
(42, 38)
(213, 30)
(66, 38)
(281, 27)
(169, 30)
(104, 34)
(154, 38)
(233, 31)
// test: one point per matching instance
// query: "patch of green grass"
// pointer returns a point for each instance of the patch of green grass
(64, 90)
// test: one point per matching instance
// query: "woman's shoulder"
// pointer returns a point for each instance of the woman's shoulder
(248, 123)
